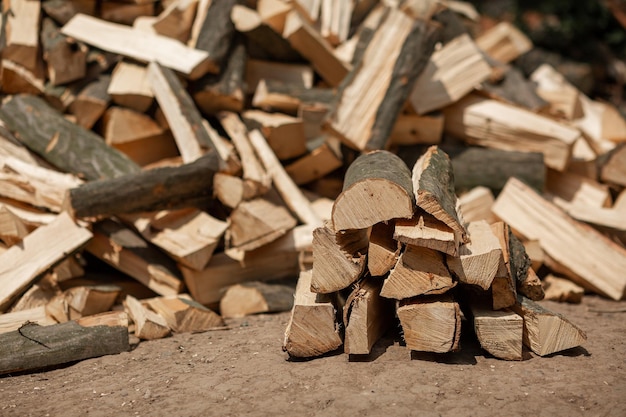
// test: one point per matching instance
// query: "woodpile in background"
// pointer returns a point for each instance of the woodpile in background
(159, 158)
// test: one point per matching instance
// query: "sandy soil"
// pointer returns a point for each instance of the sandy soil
(243, 372)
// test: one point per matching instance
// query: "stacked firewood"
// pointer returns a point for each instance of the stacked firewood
(200, 146)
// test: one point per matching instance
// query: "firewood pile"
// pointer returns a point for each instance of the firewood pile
(203, 148)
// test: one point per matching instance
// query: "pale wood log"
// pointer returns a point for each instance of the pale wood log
(312, 329)
(89, 300)
(23, 264)
(108, 318)
(17, 79)
(338, 259)
(553, 87)
(201, 12)
(130, 87)
(215, 33)
(310, 9)
(184, 315)
(284, 134)
(335, 20)
(378, 87)
(23, 18)
(256, 297)
(426, 231)
(413, 129)
(311, 45)
(613, 170)
(146, 47)
(123, 12)
(367, 316)
(562, 290)
(383, 250)
(274, 13)
(431, 324)
(295, 74)
(12, 228)
(479, 260)
(604, 219)
(69, 147)
(229, 160)
(433, 185)
(419, 9)
(547, 332)
(377, 188)
(504, 285)
(189, 236)
(498, 125)
(10, 146)
(476, 205)
(319, 162)
(176, 19)
(418, 271)
(148, 324)
(288, 190)
(14, 320)
(451, 73)
(504, 42)
(63, 10)
(286, 97)
(499, 332)
(257, 222)
(124, 250)
(276, 260)
(231, 190)
(66, 61)
(565, 240)
(45, 346)
(91, 102)
(513, 87)
(567, 189)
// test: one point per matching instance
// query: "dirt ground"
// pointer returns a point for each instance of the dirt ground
(243, 372)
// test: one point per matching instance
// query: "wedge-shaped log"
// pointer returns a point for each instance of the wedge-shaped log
(504, 42)
(130, 87)
(285, 134)
(547, 332)
(583, 254)
(312, 329)
(148, 324)
(367, 316)
(14, 320)
(183, 315)
(12, 228)
(427, 231)
(499, 332)
(65, 145)
(22, 264)
(66, 61)
(419, 271)
(504, 284)
(377, 188)
(562, 290)
(255, 297)
(382, 250)
(476, 205)
(91, 102)
(318, 163)
(431, 324)
(215, 33)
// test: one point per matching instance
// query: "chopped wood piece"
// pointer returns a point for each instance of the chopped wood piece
(536, 255)
(148, 324)
(475, 205)
(311, 45)
(130, 86)
(563, 97)
(433, 184)
(63, 10)
(146, 47)
(124, 250)
(189, 236)
(231, 190)
(295, 74)
(183, 315)
(30, 215)
(91, 102)
(377, 188)
(504, 42)
(62, 143)
(87, 301)
(176, 20)
(312, 329)
(419, 271)
(367, 317)
(155, 189)
(613, 171)
(336, 264)
(426, 231)
(66, 61)
(377, 89)
(287, 98)
(17, 79)
(431, 324)
(109, 318)
(320, 162)
(274, 13)
(45, 346)
(567, 189)
(496, 125)
(335, 20)
(310, 9)
(547, 332)
(16, 319)
(413, 129)
(589, 258)
(499, 332)
(22, 264)
(12, 228)
(479, 260)
(257, 222)
(215, 33)
(562, 290)
(284, 134)
(256, 297)
(504, 285)
(452, 72)
(22, 32)
(383, 250)
(124, 12)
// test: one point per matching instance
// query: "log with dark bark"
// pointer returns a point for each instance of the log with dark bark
(216, 33)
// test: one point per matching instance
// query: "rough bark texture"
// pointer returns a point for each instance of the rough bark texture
(217, 32)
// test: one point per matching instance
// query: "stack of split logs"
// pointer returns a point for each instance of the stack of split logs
(159, 159)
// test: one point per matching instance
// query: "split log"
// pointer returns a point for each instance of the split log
(287, 98)
(17, 79)
(335, 20)
(377, 89)
(155, 189)
(66, 61)
(21, 30)
(377, 188)
(480, 259)
(146, 47)
(300, 75)
(451, 73)
(418, 271)
(433, 185)
(23, 264)
(504, 42)
(274, 13)
(130, 86)
(45, 346)
(184, 315)
(319, 162)
(284, 134)
(124, 250)
(10, 322)
(535, 253)
(148, 324)
(231, 190)
(567, 189)
(256, 297)
(563, 97)
(31, 216)
(431, 324)
(124, 12)
(12, 228)
(40, 293)
(547, 332)
(176, 19)
(383, 250)
(215, 33)
(413, 129)
(537, 219)
(499, 332)
(90, 300)
(504, 284)
(562, 290)
(338, 259)
(475, 205)
(367, 317)
(91, 102)
(426, 231)
(613, 170)
(312, 329)
(63, 10)
(69, 147)
(514, 88)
